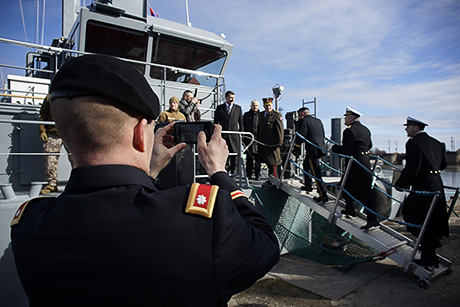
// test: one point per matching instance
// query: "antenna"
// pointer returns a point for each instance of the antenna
(186, 12)
(43, 21)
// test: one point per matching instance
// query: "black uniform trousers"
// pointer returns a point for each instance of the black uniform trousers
(312, 166)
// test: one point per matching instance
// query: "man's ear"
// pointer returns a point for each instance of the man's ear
(139, 135)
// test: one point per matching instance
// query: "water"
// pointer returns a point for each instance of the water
(450, 177)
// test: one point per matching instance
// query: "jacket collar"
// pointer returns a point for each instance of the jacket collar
(102, 176)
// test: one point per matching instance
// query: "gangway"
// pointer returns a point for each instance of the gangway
(387, 241)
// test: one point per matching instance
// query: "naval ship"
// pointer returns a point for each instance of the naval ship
(173, 57)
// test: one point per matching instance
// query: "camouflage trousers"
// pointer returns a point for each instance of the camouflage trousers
(53, 145)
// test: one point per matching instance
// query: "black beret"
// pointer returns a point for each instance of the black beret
(101, 75)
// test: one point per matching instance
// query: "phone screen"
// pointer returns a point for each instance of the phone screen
(188, 131)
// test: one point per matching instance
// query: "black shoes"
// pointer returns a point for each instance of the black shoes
(424, 262)
(349, 212)
(370, 225)
(321, 199)
(306, 189)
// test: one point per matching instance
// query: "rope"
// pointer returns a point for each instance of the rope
(260, 143)
(356, 200)
(367, 170)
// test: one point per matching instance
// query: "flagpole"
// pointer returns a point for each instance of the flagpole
(186, 11)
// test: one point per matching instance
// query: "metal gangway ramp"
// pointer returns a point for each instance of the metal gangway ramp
(384, 239)
(387, 241)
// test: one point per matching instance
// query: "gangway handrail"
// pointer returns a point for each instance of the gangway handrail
(344, 179)
(365, 168)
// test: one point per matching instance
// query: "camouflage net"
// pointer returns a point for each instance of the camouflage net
(305, 233)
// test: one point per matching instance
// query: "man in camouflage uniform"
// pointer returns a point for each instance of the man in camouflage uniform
(52, 144)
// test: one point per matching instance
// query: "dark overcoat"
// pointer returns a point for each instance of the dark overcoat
(425, 159)
(271, 136)
(356, 142)
(251, 124)
(312, 129)
(230, 121)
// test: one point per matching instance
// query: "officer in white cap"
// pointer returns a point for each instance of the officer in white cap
(425, 159)
(356, 142)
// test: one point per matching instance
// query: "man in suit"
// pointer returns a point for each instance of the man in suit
(251, 122)
(230, 116)
(356, 142)
(425, 159)
(312, 129)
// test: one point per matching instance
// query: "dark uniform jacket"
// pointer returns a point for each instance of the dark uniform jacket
(251, 123)
(356, 142)
(232, 121)
(425, 159)
(271, 136)
(113, 239)
(312, 129)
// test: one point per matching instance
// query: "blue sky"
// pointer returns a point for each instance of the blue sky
(386, 58)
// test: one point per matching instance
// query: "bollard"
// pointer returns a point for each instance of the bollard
(7, 190)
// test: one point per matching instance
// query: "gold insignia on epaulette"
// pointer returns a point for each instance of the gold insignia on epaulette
(237, 193)
(17, 216)
(201, 199)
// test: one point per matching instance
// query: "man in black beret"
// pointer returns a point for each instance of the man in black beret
(112, 238)
(425, 159)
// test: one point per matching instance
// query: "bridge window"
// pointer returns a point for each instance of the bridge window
(116, 41)
(171, 51)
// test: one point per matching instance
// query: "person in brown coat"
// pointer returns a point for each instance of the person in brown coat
(270, 136)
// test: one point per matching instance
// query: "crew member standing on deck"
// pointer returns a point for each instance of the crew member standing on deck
(173, 113)
(312, 129)
(356, 142)
(270, 136)
(52, 144)
(189, 105)
(112, 238)
(425, 159)
(251, 123)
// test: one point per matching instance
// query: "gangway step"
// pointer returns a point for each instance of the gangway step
(384, 239)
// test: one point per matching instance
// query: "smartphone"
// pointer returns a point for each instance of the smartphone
(188, 131)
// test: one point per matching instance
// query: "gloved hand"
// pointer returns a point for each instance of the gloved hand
(44, 136)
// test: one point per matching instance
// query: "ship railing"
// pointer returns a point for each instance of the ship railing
(341, 189)
(241, 175)
(35, 186)
(56, 51)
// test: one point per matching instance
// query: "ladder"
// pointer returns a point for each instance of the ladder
(384, 239)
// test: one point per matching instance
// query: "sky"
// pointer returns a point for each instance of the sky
(388, 59)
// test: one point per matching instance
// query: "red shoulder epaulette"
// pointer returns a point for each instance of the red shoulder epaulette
(17, 216)
(201, 199)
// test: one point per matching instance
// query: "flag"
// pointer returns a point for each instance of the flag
(152, 12)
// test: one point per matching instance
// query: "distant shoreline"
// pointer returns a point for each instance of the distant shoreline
(453, 158)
